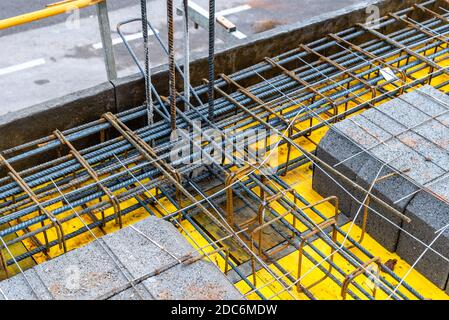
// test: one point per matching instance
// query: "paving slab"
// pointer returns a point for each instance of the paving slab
(406, 164)
(103, 269)
(333, 149)
(429, 215)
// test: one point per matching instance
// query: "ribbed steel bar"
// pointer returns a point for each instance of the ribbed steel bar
(259, 100)
(44, 173)
(237, 76)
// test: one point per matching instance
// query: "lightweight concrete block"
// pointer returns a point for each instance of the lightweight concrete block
(195, 286)
(20, 287)
(332, 149)
(403, 112)
(382, 223)
(443, 119)
(132, 248)
(428, 100)
(429, 215)
(84, 273)
(103, 269)
(403, 140)
(139, 292)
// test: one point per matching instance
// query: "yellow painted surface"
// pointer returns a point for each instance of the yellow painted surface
(300, 179)
(328, 289)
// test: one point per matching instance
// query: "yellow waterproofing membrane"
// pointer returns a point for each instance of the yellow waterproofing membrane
(299, 178)
(51, 10)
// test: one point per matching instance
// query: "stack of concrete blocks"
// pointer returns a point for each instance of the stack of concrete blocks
(90, 272)
(405, 143)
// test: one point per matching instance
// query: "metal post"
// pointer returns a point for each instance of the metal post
(106, 40)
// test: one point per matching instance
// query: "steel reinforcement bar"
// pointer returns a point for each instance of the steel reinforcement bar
(300, 96)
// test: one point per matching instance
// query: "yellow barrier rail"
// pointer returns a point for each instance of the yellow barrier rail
(67, 6)
(51, 10)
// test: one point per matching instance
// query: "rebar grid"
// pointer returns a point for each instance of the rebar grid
(107, 181)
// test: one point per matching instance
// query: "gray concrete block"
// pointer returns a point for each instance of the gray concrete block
(24, 287)
(382, 120)
(443, 119)
(428, 215)
(332, 149)
(398, 136)
(137, 293)
(436, 132)
(133, 249)
(91, 272)
(425, 141)
(188, 282)
(84, 273)
(382, 224)
(428, 100)
(440, 187)
(403, 109)
(417, 166)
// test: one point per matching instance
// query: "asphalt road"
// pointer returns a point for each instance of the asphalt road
(48, 59)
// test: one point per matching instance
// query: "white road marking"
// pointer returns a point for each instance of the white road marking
(119, 40)
(131, 37)
(239, 34)
(227, 12)
(22, 66)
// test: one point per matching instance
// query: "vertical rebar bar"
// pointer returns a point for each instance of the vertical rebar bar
(186, 53)
(171, 63)
(148, 96)
(211, 58)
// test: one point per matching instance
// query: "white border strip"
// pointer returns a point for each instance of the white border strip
(22, 66)
(230, 11)
(129, 37)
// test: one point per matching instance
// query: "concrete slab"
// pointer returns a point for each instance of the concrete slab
(428, 215)
(332, 149)
(382, 224)
(408, 145)
(104, 268)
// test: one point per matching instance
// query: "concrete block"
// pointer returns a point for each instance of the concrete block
(20, 287)
(131, 294)
(403, 110)
(332, 149)
(132, 249)
(428, 215)
(443, 119)
(428, 100)
(399, 137)
(382, 224)
(188, 282)
(98, 269)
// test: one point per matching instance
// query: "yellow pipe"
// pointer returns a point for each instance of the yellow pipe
(51, 10)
